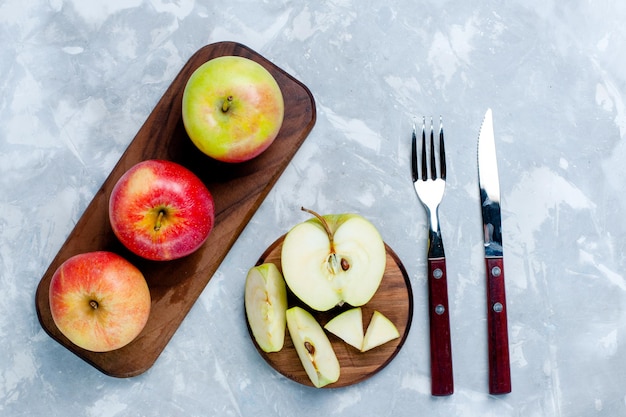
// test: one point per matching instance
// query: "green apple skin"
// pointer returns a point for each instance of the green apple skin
(232, 108)
(313, 347)
(380, 331)
(265, 299)
(324, 274)
(348, 326)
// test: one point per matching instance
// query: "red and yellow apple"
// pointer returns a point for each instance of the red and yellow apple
(99, 301)
(160, 210)
(232, 108)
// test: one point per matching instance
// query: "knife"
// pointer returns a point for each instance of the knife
(498, 343)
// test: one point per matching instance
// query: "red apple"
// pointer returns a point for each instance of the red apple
(160, 210)
(99, 301)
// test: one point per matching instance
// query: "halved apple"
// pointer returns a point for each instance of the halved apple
(333, 259)
(313, 347)
(265, 299)
(348, 326)
(380, 331)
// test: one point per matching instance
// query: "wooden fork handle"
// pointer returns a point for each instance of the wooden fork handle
(498, 338)
(442, 382)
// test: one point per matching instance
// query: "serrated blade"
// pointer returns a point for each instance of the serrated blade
(498, 343)
(489, 187)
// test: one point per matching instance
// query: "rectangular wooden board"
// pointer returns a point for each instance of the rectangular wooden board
(238, 190)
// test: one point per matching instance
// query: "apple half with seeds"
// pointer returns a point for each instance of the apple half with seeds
(265, 299)
(333, 259)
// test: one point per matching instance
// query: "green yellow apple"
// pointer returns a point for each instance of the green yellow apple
(232, 108)
(313, 347)
(99, 300)
(265, 299)
(160, 210)
(333, 259)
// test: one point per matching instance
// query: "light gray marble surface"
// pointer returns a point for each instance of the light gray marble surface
(78, 78)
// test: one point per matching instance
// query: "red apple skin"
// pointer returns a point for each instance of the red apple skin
(99, 300)
(160, 210)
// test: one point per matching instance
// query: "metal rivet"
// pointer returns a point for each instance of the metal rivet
(440, 309)
(437, 273)
(496, 271)
(497, 307)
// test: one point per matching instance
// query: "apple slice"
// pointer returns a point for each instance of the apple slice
(348, 326)
(313, 347)
(380, 331)
(333, 259)
(265, 299)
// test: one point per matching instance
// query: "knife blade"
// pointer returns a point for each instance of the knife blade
(489, 185)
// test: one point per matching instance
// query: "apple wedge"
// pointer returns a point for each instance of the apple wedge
(380, 331)
(334, 259)
(313, 347)
(348, 326)
(265, 299)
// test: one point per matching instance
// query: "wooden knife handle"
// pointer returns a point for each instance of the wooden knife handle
(498, 339)
(442, 382)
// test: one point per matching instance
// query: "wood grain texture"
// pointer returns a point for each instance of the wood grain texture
(238, 190)
(442, 378)
(394, 299)
(497, 328)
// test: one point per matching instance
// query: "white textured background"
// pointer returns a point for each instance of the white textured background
(78, 79)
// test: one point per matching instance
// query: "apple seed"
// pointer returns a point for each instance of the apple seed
(310, 348)
(345, 265)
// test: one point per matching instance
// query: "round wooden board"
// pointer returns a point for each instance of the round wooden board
(394, 299)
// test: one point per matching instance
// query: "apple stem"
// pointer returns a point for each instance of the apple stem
(226, 104)
(332, 259)
(157, 225)
(324, 224)
(93, 304)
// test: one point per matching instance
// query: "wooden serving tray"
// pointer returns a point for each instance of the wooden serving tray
(394, 298)
(238, 190)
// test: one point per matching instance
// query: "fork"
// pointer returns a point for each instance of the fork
(430, 183)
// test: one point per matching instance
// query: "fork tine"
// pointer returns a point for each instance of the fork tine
(433, 163)
(424, 165)
(414, 168)
(442, 151)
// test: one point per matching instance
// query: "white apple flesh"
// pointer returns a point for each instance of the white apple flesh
(348, 326)
(265, 298)
(334, 259)
(313, 347)
(380, 331)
